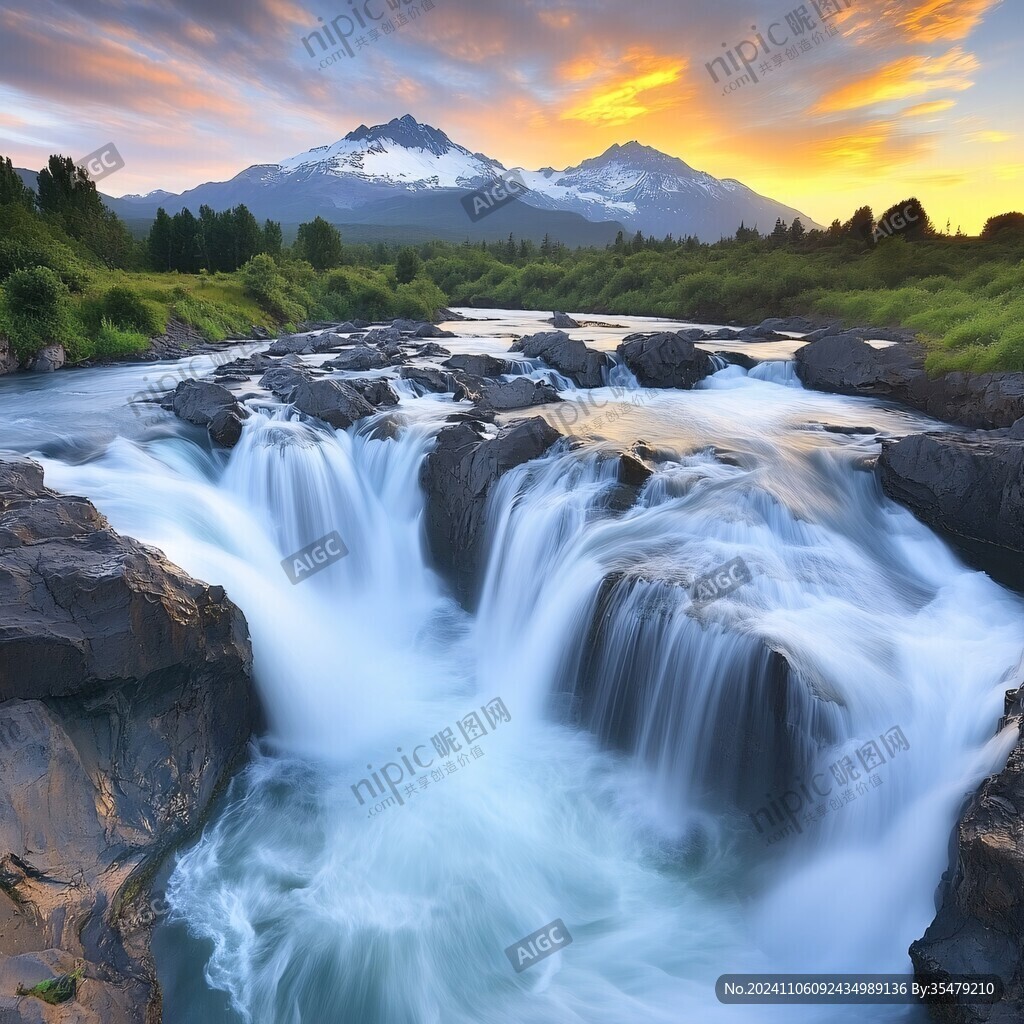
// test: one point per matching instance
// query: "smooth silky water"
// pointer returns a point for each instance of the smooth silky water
(644, 734)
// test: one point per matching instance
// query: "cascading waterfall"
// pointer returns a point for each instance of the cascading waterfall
(637, 826)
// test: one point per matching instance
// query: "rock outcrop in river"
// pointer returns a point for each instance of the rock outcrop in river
(125, 703)
(665, 360)
(846, 364)
(970, 487)
(980, 926)
(458, 476)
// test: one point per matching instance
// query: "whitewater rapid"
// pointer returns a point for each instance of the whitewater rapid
(643, 732)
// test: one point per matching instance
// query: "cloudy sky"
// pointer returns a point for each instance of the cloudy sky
(904, 97)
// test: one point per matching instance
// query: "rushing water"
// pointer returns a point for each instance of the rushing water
(649, 738)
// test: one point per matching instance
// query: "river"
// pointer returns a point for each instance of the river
(634, 780)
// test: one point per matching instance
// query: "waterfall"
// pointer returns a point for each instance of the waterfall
(644, 785)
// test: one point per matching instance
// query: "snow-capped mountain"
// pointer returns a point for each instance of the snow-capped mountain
(402, 153)
(405, 176)
(655, 193)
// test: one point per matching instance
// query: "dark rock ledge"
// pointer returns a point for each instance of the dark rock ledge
(968, 487)
(979, 928)
(125, 704)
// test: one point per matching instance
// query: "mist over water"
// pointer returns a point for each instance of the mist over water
(645, 730)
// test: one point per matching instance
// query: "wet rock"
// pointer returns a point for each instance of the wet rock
(383, 337)
(519, 393)
(562, 322)
(226, 426)
(846, 364)
(432, 351)
(8, 359)
(969, 487)
(335, 402)
(361, 358)
(376, 390)
(582, 365)
(125, 703)
(304, 344)
(979, 928)
(738, 359)
(665, 360)
(205, 403)
(458, 476)
(432, 331)
(428, 378)
(48, 359)
(478, 365)
(283, 380)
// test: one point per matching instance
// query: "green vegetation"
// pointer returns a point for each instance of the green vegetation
(70, 273)
(55, 990)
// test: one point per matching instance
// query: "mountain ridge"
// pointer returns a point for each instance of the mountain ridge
(408, 173)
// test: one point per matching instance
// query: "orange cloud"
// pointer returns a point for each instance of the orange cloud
(614, 103)
(932, 107)
(931, 20)
(990, 136)
(904, 79)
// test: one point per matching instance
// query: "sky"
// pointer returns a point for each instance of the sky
(881, 100)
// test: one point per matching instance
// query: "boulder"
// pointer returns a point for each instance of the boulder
(283, 380)
(582, 365)
(761, 334)
(226, 426)
(209, 405)
(562, 322)
(665, 360)
(384, 337)
(429, 378)
(300, 344)
(48, 359)
(432, 350)
(197, 401)
(125, 704)
(8, 359)
(361, 358)
(519, 393)
(969, 487)
(376, 390)
(457, 477)
(979, 927)
(336, 402)
(432, 331)
(478, 365)
(846, 364)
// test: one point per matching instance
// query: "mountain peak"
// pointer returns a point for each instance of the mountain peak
(405, 131)
(647, 158)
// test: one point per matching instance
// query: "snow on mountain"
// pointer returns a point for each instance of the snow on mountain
(405, 172)
(650, 191)
(403, 153)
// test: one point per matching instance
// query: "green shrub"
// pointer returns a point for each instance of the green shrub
(125, 308)
(37, 311)
(113, 342)
(264, 281)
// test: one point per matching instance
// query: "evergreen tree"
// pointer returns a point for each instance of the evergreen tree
(160, 243)
(272, 241)
(13, 191)
(407, 265)
(320, 244)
